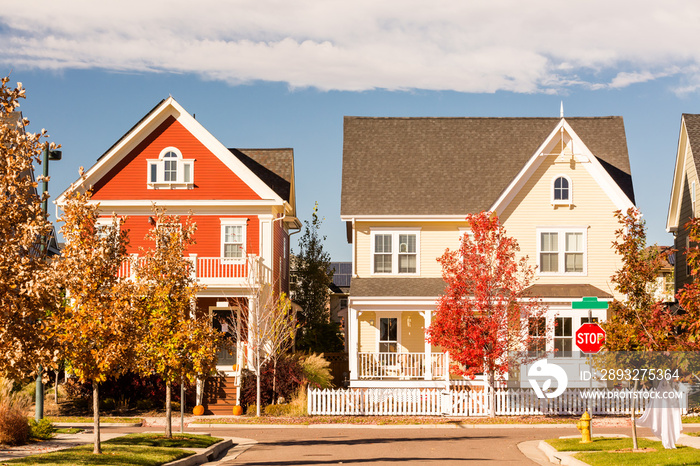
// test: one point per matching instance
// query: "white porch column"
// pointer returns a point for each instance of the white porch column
(353, 335)
(428, 370)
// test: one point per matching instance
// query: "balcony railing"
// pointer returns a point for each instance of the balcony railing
(402, 366)
(217, 270)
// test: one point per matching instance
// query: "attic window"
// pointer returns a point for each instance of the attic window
(561, 190)
(170, 171)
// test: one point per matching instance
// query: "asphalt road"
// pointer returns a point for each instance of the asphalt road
(387, 445)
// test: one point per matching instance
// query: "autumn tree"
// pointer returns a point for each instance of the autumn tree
(99, 326)
(311, 291)
(483, 316)
(638, 322)
(267, 321)
(28, 288)
(178, 343)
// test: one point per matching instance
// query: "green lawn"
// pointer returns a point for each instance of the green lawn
(610, 452)
(133, 449)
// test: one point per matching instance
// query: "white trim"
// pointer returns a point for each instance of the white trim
(395, 233)
(561, 250)
(570, 190)
(679, 175)
(226, 222)
(180, 164)
(405, 218)
(169, 107)
(583, 155)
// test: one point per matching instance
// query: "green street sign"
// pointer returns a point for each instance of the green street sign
(589, 302)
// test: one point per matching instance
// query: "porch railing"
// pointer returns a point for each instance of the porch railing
(402, 366)
(250, 270)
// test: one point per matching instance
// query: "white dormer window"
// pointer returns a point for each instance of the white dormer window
(561, 190)
(170, 171)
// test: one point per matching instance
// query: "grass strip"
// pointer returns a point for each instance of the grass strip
(112, 455)
(160, 440)
(660, 457)
(598, 444)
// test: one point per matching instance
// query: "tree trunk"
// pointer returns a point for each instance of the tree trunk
(55, 387)
(257, 391)
(96, 416)
(492, 394)
(168, 411)
(274, 382)
(635, 444)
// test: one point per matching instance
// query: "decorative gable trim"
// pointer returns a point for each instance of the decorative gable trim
(679, 177)
(582, 154)
(171, 108)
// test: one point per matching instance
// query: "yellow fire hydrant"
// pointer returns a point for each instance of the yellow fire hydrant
(584, 425)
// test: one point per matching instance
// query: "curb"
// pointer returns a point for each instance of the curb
(380, 426)
(559, 457)
(204, 457)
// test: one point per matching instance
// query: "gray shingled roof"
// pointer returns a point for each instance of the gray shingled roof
(566, 291)
(454, 166)
(273, 166)
(385, 286)
(692, 126)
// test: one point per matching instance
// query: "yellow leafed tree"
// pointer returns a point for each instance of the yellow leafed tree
(178, 343)
(28, 289)
(98, 327)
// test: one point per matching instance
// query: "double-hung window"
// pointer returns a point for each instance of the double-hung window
(395, 252)
(561, 251)
(233, 238)
(170, 170)
(563, 337)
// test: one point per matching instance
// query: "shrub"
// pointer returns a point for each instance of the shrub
(175, 406)
(317, 371)
(107, 404)
(289, 378)
(14, 426)
(42, 430)
(252, 409)
(144, 405)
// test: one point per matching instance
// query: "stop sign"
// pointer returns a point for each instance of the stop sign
(590, 338)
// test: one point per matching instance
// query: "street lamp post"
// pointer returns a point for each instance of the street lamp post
(46, 155)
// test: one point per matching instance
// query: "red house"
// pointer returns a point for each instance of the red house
(242, 201)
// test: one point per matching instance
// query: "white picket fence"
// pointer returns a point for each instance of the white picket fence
(436, 402)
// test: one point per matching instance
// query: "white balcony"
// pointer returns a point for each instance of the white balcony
(219, 271)
(400, 366)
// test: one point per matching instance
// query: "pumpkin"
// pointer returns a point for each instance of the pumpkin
(237, 410)
(198, 410)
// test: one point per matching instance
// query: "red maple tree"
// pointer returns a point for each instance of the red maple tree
(689, 296)
(482, 318)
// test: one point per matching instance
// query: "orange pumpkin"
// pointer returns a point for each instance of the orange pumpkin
(198, 410)
(237, 410)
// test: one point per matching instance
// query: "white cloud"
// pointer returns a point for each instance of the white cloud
(475, 46)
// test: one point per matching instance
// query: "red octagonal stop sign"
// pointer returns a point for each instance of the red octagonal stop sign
(590, 338)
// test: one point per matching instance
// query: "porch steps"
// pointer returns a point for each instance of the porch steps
(220, 395)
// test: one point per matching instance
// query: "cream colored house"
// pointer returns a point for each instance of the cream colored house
(408, 184)
(683, 193)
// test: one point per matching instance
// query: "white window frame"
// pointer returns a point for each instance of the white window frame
(242, 222)
(570, 199)
(399, 324)
(395, 249)
(561, 251)
(103, 223)
(158, 165)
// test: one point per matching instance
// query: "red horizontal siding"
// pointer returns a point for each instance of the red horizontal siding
(207, 237)
(212, 179)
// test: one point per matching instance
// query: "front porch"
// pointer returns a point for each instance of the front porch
(401, 366)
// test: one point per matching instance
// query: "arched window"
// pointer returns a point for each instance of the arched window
(170, 170)
(561, 190)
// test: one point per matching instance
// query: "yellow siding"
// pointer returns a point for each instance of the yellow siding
(412, 339)
(368, 332)
(435, 237)
(532, 208)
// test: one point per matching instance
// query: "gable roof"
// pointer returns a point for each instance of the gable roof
(689, 137)
(273, 166)
(169, 108)
(454, 166)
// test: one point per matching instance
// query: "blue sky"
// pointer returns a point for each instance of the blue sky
(283, 74)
